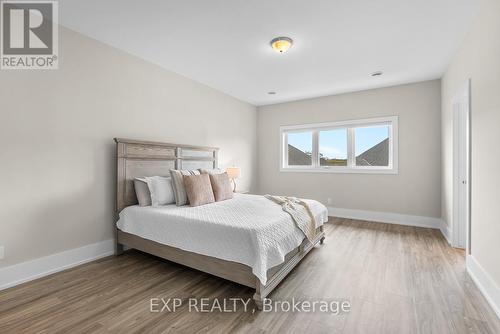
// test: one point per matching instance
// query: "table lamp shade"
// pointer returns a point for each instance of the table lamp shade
(233, 172)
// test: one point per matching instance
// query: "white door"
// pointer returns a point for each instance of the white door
(461, 163)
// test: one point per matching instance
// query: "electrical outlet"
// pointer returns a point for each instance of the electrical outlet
(2, 252)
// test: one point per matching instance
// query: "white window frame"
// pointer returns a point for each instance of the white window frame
(351, 167)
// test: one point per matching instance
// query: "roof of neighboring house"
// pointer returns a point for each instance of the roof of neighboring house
(297, 158)
(378, 155)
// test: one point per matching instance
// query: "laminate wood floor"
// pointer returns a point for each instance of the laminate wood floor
(397, 279)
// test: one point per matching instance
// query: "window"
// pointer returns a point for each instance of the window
(360, 146)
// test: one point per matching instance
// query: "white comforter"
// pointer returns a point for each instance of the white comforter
(248, 229)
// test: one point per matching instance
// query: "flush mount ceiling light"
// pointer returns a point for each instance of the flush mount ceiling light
(281, 44)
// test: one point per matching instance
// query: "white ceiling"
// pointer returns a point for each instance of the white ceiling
(338, 43)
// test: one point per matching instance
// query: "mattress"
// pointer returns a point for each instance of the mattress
(247, 229)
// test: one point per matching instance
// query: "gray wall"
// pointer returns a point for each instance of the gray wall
(56, 140)
(414, 191)
(479, 60)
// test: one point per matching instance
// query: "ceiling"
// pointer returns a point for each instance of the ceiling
(337, 43)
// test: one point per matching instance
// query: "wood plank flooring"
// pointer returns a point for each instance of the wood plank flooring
(398, 279)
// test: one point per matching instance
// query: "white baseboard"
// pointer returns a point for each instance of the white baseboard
(485, 283)
(386, 217)
(30, 270)
(446, 231)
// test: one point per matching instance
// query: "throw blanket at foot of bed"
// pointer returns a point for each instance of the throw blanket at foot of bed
(300, 213)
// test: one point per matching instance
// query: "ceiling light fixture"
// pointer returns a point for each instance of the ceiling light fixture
(377, 74)
(281, 44)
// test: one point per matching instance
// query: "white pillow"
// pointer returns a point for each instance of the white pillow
(142, 191)
(212, 171)
(161, 190)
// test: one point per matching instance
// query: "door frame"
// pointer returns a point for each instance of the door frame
(462, 98)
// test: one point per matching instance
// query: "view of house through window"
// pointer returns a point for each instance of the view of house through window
(362, 145)
(300, 149)
(372, 146)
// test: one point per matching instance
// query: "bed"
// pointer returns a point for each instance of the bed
(248, 239)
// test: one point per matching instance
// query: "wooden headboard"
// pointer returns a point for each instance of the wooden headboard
(137, 158)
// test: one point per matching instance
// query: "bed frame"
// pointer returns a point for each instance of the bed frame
(142, 158)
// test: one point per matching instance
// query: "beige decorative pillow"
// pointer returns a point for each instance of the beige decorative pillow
(198, 189)
(178, 184)
(221, 186)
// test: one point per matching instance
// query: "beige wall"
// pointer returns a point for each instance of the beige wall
(414, 191)
(56, 140)
(479, 60)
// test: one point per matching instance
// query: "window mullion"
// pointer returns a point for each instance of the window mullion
(285, 149)
(315, 149)
(391, 146)
(351, 156)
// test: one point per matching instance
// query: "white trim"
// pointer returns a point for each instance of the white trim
(340, 170)
(446, 231)
(315, 149)
(461, 172)
(30, 270)
(351, 150)
(386, 217)
(341, 124)
(485, 283)
(314, 128)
